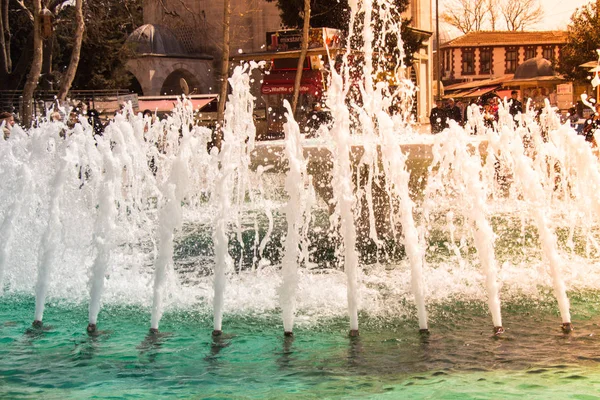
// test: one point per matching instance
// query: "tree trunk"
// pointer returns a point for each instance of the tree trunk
(305, 30)
(4, 46)
(224, 74)
(46, 79)
(36, 66)
(69, 76)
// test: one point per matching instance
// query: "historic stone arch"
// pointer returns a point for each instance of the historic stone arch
(181, 81)
(161, 64)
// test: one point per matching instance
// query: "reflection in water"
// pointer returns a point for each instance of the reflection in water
(218, 343)
(355, 352)
(286, 358)
(36, 332)
(152, 344)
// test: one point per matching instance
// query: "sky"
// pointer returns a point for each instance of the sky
(557, 13)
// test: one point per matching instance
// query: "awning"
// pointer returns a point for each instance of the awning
(590, 64)
(481, 91)
(457, 95)
(167, 105)
(271, 55)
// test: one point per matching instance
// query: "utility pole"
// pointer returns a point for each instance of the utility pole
(437, 48)
(224, 74)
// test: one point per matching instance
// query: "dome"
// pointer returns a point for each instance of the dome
(533, 68)
(447, 33)
(154, 39)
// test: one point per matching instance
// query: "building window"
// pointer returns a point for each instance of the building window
(548, 53)
(468, 61)
(512, 57)
(485, 60)
(530, 52)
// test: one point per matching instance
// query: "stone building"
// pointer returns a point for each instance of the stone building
(179, 47)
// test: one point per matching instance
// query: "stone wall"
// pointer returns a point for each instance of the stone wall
(198, 23)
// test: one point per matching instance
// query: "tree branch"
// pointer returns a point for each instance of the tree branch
(27, 10)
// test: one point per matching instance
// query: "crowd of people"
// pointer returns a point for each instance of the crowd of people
(441, 113)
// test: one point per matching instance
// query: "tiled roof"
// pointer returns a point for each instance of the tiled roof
(507, 38)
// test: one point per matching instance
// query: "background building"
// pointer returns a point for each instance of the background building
(478, 64)
(485, 55)
(179, 47)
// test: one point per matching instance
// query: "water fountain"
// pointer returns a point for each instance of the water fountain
(415, 239)
(79, 210)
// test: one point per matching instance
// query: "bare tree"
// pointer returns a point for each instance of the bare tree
(493, 13)
(36, 65)
(520, 14)
(75, 54)
(305, 30)
(466, 15)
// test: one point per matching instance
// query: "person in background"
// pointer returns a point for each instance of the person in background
(317, 117)
(488, 114)
(73, 118)
(95, 122)
(437, 117)
(592, 125)
(515, 107)
(148, 119)
(7, 120)
(453, 112)
(472, 103)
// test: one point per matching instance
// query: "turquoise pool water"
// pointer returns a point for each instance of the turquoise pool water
(390, 360)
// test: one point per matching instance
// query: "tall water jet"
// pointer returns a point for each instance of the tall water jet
(532, 191)
(11, 214)
(170, 214)
(51, 236)
(458, 163)
(295, 182)
(232, 182)
(103, 229)
(343, 191)
(394, 162)
(169, 221)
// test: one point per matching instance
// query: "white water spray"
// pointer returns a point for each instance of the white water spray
(104, 228)
(51, 237)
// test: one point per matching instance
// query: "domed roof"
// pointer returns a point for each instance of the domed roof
(154, 39)
(447, 33)
(533, 68)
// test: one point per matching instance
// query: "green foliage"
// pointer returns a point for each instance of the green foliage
(336, 14)
(103, 57)
(324, 13)
(583, 38)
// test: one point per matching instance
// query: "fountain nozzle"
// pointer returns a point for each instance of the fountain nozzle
(217, 332)
(288, 333)
(424, 331)
(153, 331)
(37, 324)
(567, 327)
(498, 330)
(91, 328)
(354, 333)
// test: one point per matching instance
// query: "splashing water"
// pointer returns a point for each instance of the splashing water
(152, 217)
